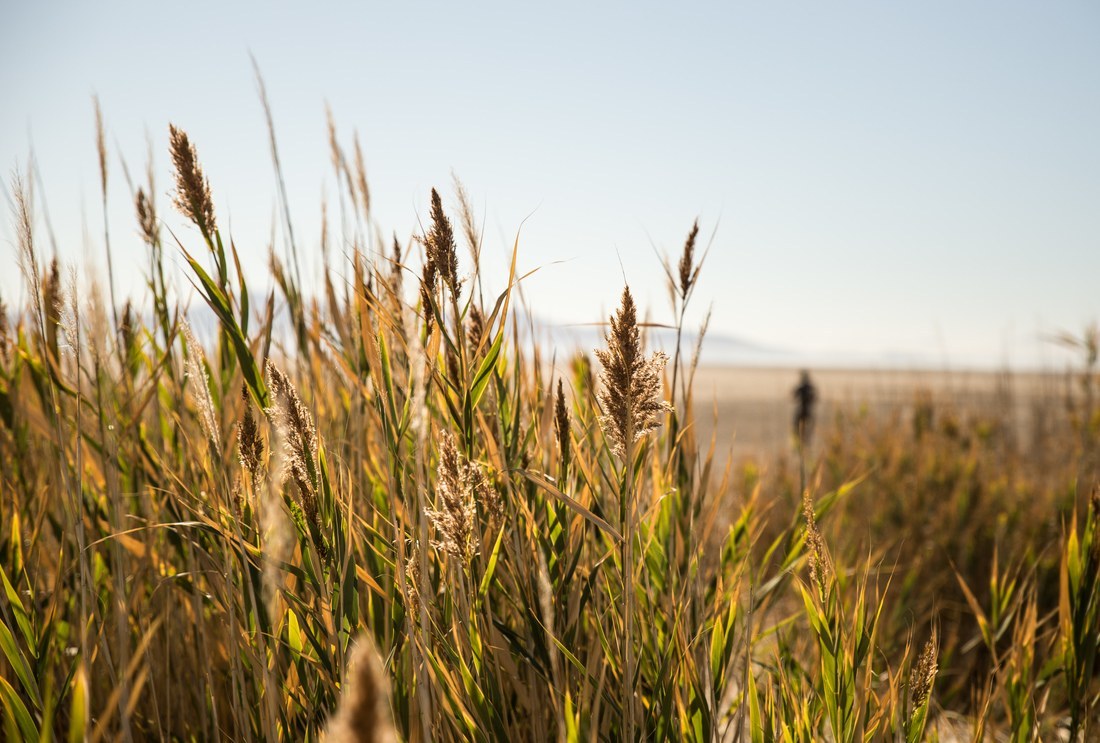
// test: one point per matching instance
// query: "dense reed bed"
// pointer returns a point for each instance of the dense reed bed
(378, 512)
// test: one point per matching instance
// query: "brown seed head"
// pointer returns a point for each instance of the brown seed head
(100, 144)
(412, 580)
(196, 370)
(361, 177)
(562, 426)
(291, 412)
(128, 328)
(299, 439)
(923, 677)
(29, 266)
(395, 268)
(429, 280)
(453, 371)
(688, 271)
(192, 196)
(53, 301)
(475, 327)
(630, 394)
(458, 486)
(250, 446)
(440, 245)
(69, 315)
(820, 569)
(147, 218)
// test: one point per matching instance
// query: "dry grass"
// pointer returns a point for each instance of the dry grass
(403, 529)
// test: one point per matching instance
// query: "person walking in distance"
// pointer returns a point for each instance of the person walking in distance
(805, 396)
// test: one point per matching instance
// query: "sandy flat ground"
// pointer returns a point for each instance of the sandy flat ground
(754, 406)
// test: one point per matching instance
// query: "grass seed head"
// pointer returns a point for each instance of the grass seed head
(457, 486)
(128, 328)
(53, 302)
(361, 177)
(192, 197)
(250, 445)
(28, 254)
(469, 224)
(429, 281)
(440, 244)
(300, 445)
(100, 144)
(562, 425)
(412, 580)
(688, 272)
(475, 327)
(630, 393)
(196, 370)
(396, 276)
(147, 217)
(923, 676)
(298, 435)
(815, 545)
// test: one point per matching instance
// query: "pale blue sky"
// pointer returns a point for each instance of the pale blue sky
(915, 178)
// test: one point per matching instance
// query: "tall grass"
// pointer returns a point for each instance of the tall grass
(392, 518)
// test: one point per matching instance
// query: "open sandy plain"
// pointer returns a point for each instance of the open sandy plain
(753, 407)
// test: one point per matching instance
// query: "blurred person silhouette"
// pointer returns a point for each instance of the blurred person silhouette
(805, 396)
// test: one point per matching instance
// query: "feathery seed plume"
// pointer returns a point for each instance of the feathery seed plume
(475, 327)
(395, 268)
(923, 676)
(250, 446)
(630, 393)
(412, 579)
(68, 315)
(128, 328)
(147, 217)
(52, 305)
(196, 370)
(429, 280)
(561, 426)
(192, 196)
(815, 544)
(299, 441)
(460, 485)
(278, 533)
(440, 244)
(28, 255)
(688, 273)
(469, 224)
(100, 144)
(361, 176)
(94, 315)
